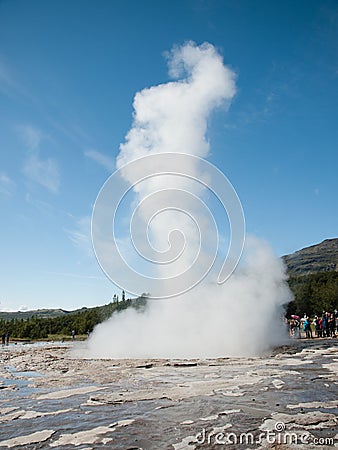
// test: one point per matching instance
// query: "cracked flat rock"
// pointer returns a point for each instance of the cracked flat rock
(60, 400)
(33, 438)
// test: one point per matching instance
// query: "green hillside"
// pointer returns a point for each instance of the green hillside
(314, 293)
(313, 273)
(41, 313)
(321, 257)
(57, 323)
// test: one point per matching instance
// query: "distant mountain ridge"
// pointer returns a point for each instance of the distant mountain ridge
(321, 257)
(40, 313)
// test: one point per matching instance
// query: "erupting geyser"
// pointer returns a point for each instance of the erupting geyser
(174, 234)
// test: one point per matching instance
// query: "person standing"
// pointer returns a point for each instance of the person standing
(317, 325)
(332, 325)
(325, 327)
(296, 329)
(307, 327)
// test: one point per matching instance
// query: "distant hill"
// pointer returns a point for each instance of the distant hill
(317, 258)
(40, 313)
(52, 313)
(58, 323)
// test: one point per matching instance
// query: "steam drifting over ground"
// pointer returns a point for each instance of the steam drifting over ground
(243, 316)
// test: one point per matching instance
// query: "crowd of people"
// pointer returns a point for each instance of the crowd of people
(321, 326)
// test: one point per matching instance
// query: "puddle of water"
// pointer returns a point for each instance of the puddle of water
(21, 382)
(26, 374)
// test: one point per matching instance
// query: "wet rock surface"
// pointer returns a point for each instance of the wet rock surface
(49, 398)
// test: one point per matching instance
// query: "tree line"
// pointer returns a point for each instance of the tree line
(82, 321)
(313, 294)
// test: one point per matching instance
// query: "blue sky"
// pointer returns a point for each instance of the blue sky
(68, 75)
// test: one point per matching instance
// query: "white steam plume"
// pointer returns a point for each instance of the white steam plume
(172, 117)
(239, 317)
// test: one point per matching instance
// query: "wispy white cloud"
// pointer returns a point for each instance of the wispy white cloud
(43, 207)
(6, 80)
(69, 126)
(80, 235)
(105, 161)
(7, 185)
(44, 171)
(9, 85)
(31, 136)
(12, 85)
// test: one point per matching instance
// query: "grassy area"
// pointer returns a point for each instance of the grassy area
(65, 337)
(51, 338)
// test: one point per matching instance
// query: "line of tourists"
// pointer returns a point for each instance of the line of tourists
(324, 325)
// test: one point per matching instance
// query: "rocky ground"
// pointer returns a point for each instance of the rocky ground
(49, 398)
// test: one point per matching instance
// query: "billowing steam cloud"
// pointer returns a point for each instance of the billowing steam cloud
(239, 317)
(172, 117)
